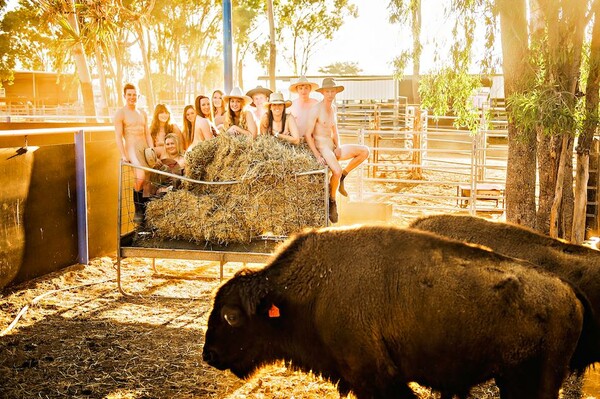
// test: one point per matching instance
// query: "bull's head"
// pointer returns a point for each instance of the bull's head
(242, 325)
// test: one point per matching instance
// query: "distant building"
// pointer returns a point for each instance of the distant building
(377, 88)
(39, 90)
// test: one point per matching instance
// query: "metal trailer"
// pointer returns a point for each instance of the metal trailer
(259, 250)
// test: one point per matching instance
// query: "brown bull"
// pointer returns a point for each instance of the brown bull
(578, 264)
(375, 308)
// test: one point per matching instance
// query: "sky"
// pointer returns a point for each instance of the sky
(371, 41)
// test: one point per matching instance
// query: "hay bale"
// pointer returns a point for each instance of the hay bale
(268, 195)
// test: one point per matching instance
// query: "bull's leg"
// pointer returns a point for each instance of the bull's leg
(451, 395)
(393, 391)
(532, 380)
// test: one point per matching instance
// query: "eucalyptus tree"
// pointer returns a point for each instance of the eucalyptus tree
(248, 19)
(184, 37)
(408, 12)
(26, 40)
(100, 29)
(137, 13)
(550, 108)
(64, 13)
(542, 51)
(302, 25)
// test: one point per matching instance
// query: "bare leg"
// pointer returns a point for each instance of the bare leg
(336, 170)
(357, 155)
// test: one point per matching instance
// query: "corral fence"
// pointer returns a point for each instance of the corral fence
(423, 164)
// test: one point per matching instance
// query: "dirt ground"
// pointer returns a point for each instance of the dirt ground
(71, 334)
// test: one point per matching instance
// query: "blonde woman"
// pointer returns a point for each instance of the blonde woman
(238, 120)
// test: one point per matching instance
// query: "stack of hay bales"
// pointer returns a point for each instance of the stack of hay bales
(268, 195)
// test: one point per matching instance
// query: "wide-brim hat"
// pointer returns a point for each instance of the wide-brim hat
(303, 81)
(150, 156)
(277, 98)
(236, 92)
(259, 90)
(329, 83)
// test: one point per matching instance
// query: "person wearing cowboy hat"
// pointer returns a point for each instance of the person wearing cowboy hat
(259, 96)
(302, 105)
(237, 119)
(276, 123)
(323, 139)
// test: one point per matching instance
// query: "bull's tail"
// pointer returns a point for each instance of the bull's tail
(588, 347)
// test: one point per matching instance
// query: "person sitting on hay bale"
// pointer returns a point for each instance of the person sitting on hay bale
(238, 120)
(324, 141)
(160, 126)
(218, 107)
(264, 188)
(259, 95)
(172, 161)
(204, 128)
(276, 123)
(301, 106)
(189, 116)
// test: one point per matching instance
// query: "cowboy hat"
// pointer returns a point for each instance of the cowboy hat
(277, 98)
(150, 156)
(302, 81)
(329, 83)
(236, 92)
(259, 90)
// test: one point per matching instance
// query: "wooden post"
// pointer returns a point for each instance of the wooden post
(416, 172)
(376, 137)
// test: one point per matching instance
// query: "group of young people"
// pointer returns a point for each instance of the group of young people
(303, 121)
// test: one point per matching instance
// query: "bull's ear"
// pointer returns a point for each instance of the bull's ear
(252, 297)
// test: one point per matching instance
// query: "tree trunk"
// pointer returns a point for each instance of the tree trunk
(580, 203)
(584, 141)
(547, 152)
(565, 230)
(146, 61)
(558, 192)
(521, 171)
(102, 78)
(83, 72)
(416, 33)
(272, 48)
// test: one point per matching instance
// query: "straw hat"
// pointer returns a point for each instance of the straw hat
(259, 90)
(277, 98)
(236, 92)
(329, 83)
(303, 81)
(150, 156)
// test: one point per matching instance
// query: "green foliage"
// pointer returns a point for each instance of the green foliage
(26, 40)
(450, 92)
(341, 68)
(407, 13)
(400, 62)
(546, 108)
(304, 24)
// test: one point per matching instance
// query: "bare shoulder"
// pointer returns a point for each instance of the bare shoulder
(201, 121)
(119, 115)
